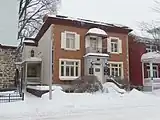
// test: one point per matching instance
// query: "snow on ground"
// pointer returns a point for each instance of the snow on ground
(111, 87)
(134, 105)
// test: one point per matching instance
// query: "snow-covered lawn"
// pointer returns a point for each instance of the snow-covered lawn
(64, 106)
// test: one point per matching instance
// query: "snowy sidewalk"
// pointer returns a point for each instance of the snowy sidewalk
(133, 106)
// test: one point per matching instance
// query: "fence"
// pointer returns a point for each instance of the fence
(11, 97)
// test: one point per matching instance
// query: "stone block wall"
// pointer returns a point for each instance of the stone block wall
(7, 66)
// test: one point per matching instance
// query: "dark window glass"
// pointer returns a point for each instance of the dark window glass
(76, 71)
(62, 70)
(72, 71)
(67, 70)
(32, 53)
(91, 71)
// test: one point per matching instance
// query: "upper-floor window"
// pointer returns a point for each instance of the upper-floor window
(151, 48)
(114, 45)
(93, 42)
(70, 40)
(32, 53)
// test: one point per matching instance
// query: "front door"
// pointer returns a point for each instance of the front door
(98, 72)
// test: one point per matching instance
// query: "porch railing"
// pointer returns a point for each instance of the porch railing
(148, 81)
(96, 50)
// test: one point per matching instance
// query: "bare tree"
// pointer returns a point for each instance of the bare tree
(31, 13)
(153, 28)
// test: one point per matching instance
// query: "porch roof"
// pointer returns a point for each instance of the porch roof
(151, 57)
(97, 31)
(33, 59)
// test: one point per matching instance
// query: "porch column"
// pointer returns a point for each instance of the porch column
(25, 80)
(151, 74)
(143, 72)
(41, 73)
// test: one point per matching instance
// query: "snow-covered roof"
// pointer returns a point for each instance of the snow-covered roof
(88, 21)
(97, 54)
(33, 59)
(153, 57)
(97, 31)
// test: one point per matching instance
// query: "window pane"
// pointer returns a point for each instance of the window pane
(91, 71)
(112, 74)
(62, 63)
(69, 63)
(67, 43)
(62, 70)
(72, 43)
(70, 40)
(72, 71)
(120, 72)
(67, 70)
(76, 71)
(76, 63)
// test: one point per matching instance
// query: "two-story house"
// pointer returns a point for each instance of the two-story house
(140, 72)
(67, 48)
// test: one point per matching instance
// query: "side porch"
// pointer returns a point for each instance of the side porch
(31, 72)
(150, 70)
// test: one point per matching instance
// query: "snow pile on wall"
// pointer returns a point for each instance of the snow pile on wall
(113, 88)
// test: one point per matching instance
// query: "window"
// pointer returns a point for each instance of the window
(155, 71)
(151, 48)
(114, 45)
(69, 68)
(91, 71)
(115, 69)
(93, 42)
(70, 40)
(32, 53)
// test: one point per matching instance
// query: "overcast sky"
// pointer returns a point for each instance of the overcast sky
(126, 12)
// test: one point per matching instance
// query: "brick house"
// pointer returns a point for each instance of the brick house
(79, 47)
(137, 47)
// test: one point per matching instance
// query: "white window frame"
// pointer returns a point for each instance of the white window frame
(149, 47)
(119, 49)
(118, 63)
(74, 33)
(156, 71)
(69, 77)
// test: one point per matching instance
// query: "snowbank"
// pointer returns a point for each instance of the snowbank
(56, 93)
(113, 88)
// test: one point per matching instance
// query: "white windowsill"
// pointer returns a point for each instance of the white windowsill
(114, 52)
(70, 49)
(68, 78)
